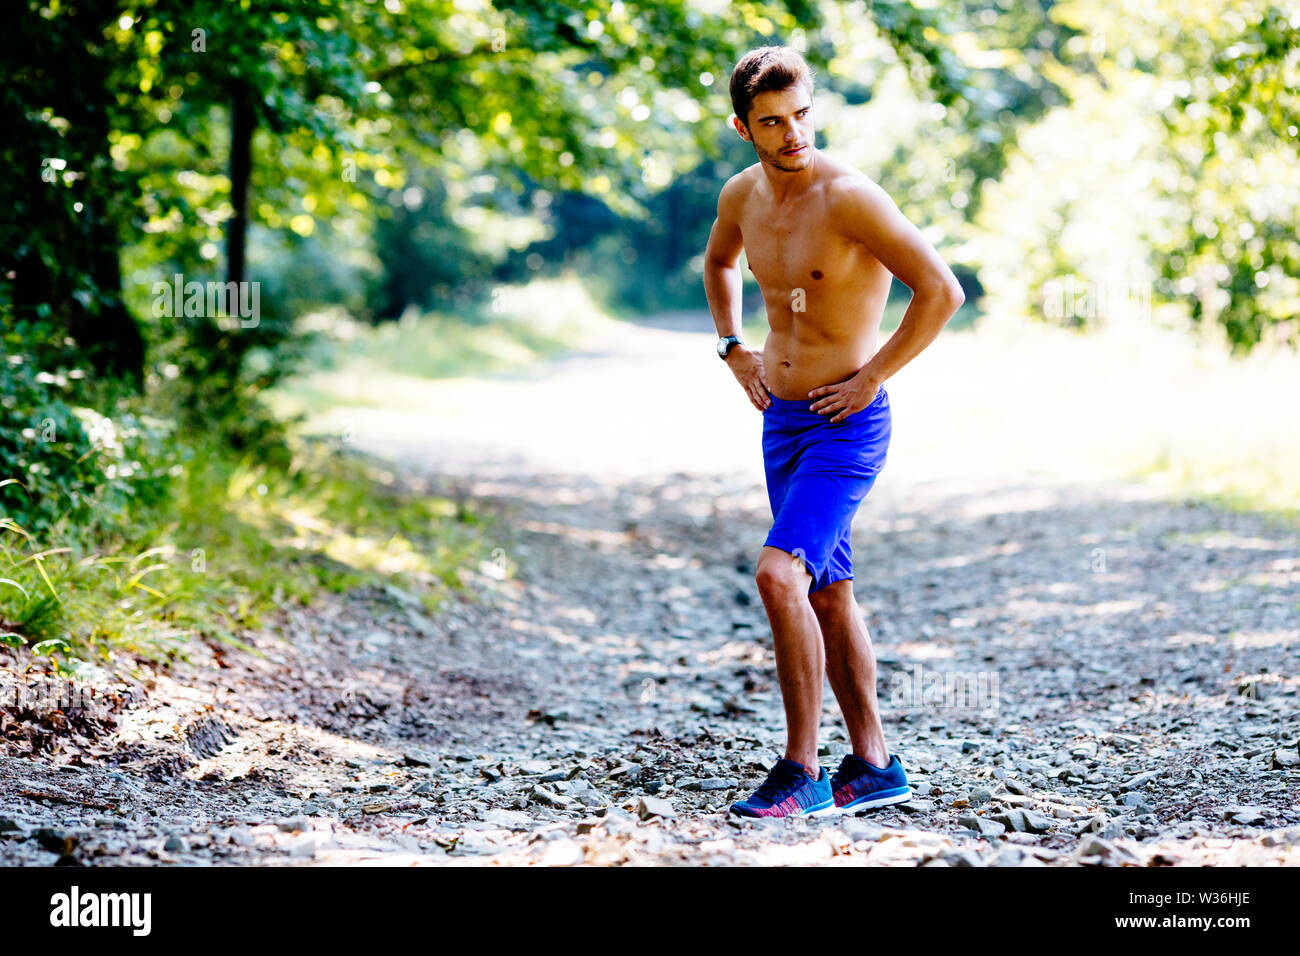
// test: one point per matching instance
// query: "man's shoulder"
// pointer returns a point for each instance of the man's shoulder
(845, 183)
(738, 186)
(852, 195)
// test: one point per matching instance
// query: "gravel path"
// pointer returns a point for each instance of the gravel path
(1074, 672)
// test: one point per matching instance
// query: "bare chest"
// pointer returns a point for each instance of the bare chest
(795, 248)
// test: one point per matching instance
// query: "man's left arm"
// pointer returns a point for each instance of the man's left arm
(865, 212)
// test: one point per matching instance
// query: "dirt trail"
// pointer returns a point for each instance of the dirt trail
(1120, 671)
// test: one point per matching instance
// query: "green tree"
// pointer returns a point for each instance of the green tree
(1223, 80)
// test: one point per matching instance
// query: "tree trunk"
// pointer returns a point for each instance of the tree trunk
(243, 120)
(67, 266)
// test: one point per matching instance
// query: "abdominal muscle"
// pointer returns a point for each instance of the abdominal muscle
(795, 368)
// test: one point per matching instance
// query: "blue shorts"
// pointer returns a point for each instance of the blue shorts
(818, 472)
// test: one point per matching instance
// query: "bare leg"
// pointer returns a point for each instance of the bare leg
(800, 657)
(851, 666)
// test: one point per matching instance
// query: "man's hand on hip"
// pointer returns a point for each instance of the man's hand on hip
(747, 366)
(844, 398)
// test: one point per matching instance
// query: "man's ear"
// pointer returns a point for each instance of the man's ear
(740, 128)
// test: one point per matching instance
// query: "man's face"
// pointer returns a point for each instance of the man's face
(781, 128)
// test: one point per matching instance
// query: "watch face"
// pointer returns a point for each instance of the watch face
(722, 347)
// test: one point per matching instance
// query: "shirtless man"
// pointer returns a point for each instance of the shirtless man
(822, 240)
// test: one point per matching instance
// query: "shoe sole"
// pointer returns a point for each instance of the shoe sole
(829, 810)
(871, 801)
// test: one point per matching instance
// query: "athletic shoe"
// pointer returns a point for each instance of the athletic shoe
(789, 792)
(859, 785)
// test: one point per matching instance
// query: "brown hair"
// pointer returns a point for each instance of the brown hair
(765, 70)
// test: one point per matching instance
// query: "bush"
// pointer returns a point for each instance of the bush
(63, 463)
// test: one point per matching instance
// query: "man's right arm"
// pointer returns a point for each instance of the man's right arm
(722, 286)
(722, 262)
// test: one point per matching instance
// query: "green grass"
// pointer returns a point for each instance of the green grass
(241, 536)
(530, 324)
(1260, 484)
(443, 346)
(1281, 517)
(237, 541)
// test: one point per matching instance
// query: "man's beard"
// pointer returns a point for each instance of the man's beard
(778, 161)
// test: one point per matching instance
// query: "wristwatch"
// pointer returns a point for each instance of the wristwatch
(726, 343)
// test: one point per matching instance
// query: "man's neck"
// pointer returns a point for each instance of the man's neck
(791, 185)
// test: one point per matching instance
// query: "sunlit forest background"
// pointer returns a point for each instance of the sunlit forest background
(395, 176)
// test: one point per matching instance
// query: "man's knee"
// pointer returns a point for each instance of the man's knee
(834, 601)
(780, 575)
